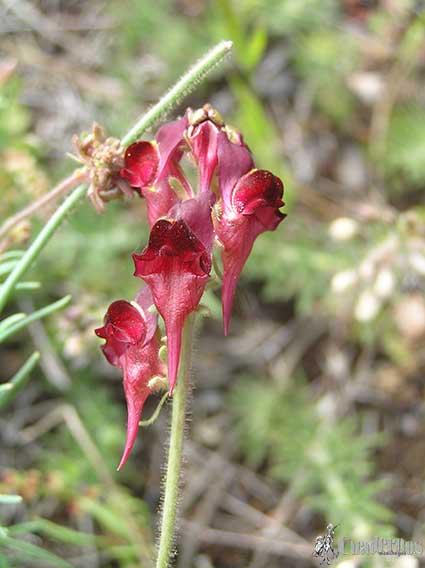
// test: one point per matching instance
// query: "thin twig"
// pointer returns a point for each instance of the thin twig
(63, 187)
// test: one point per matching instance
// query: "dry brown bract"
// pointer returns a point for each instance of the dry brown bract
(103, 158)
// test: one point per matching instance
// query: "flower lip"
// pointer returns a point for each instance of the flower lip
(170, 139)
(257, 189)
(141, 163)
(173, 238)
(123, 322)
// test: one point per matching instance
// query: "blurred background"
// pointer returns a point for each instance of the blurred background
(312, 411)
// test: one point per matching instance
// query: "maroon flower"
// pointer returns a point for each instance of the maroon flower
(132, 345)
(153, 168)
(176, 264)
(202, 136)
(250, 202)
(205, 133)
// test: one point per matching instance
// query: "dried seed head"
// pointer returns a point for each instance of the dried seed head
(103, 158)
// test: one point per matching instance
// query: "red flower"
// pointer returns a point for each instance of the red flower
(250, 202)
(205, 133)
(176, 264)
(153, 168)
(132, 345)
(202, 136)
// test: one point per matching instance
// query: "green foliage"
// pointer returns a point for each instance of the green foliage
(325, 58)
(327, 463)
(19, 151)
(284, 17)
(14, 118)
(404, 156)
(285, 262)
(9, 390)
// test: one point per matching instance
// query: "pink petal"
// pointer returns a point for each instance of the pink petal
(234, 161)
(237, 238)
(141, 164)
(123, 325)
(134, 412)
(176, 265)
(174, 330)
(196, 213)
(145, 300)
(170, 140)
(139, 364)
(204, 141)
(258, 188)
(161, 197)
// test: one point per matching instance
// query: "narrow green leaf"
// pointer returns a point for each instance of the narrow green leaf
(8, 266)
(105, 517)
(54, 531)
(27, 550)
(9, 390)
(38, 314)
(4, 563)
(11, 255)
(14, 318)
(254, 49)
(123, 552)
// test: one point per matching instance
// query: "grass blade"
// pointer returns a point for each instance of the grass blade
(38, 314)
(26, 550)
(9, 390)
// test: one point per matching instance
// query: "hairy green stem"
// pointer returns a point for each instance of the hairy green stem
(184, 86)
(175, 451)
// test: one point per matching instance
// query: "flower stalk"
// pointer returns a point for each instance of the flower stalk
(175, 451)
